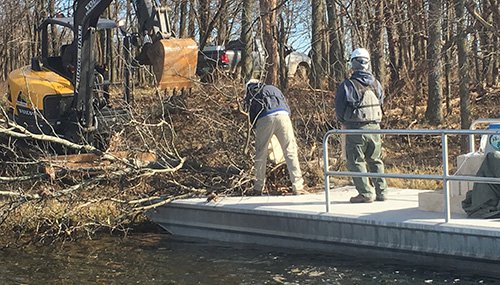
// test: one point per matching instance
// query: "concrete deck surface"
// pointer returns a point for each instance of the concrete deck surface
(401, 207)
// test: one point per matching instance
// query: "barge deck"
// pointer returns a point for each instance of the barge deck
(394, 229)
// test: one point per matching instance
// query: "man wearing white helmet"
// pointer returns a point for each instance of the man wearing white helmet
(358, 105)
(270, 115)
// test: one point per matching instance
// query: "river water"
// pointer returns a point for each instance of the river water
(159, 259)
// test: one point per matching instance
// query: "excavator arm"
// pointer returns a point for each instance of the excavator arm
(44, 89)
(152, 19)
(174, 60)
(86, 15)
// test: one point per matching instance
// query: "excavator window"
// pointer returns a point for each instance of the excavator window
(63, 49)
(57, 44)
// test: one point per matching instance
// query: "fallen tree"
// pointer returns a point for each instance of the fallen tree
(47, 197)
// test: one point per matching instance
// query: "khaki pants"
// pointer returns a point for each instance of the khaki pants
(279, 125)
(275, 152)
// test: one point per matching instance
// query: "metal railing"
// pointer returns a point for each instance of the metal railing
(473, 126)
(445, 176)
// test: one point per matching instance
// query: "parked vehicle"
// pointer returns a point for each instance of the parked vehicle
(212, 61)
(216, 60)
(297, 63)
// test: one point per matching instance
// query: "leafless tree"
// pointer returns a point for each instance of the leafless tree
(434, 111)
(318, 38)
(337, 49)
(463, 67)
(269, 38)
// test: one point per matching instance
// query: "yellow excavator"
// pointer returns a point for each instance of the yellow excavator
(66, 94)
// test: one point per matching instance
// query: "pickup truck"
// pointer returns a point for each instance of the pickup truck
(213, 60)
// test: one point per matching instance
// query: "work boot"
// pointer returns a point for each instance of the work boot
(302, 191)
(360, 199)
(380, 195)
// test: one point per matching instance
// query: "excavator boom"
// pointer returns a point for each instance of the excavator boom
(86, 16)
(173, 59)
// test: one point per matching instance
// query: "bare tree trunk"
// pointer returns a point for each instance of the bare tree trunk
(419, 42)
(486, 44)
(183, 19)
(38, 17)
(246, 38)
(463, 76)
(53, 31)
(268, 14)
(411, 38)
(110, 59)
(391, 41)
(377, 42)
(403, 38)
(204, 17)
(447, 55)
(483, 48)
(361, 36)
(317, 72)
(282, 39)
(479, 78)
(491, 71)
(175, 16)
(424, 20)
(434, 111)
(495, 65)
(223, 26)
(191, 19)
(337, 61)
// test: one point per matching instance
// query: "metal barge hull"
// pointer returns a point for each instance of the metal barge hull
(394, 229)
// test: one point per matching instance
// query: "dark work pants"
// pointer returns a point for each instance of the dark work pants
(363, 154)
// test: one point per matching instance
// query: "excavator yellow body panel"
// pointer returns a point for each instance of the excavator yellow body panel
(28, 88)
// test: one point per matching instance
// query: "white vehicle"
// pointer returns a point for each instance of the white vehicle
(298, 64)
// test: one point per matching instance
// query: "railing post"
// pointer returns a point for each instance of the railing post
(446, 183)
(471, 137)
(327, 177)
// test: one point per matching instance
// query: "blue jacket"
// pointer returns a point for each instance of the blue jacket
(263, 100)
(346, 94)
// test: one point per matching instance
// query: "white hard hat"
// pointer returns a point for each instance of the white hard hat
(252, 86)
(252, 81)
(360, 52)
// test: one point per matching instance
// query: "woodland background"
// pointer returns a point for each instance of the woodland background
(437, 60)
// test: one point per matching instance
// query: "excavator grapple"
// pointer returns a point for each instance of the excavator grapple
(174, 62)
